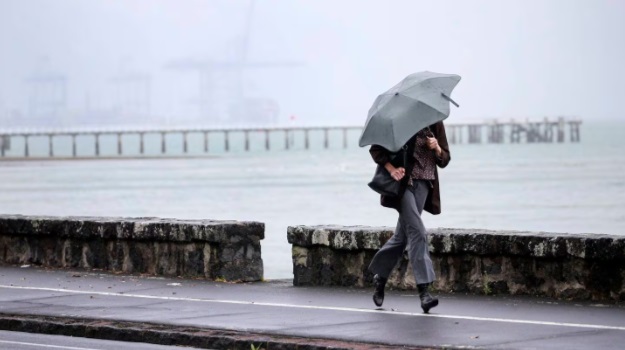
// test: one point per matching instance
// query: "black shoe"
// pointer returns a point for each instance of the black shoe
(427, 301)
(378, 294)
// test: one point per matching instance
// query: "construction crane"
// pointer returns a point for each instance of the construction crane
(132, 93)
(47, 97)
(242, 109)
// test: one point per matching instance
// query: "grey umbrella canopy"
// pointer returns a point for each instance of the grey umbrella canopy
(419, 100)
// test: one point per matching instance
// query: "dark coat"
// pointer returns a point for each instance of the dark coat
(381, 156)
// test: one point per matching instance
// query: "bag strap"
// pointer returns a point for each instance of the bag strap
(405, 151)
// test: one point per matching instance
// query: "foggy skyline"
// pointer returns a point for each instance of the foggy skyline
(516, 58)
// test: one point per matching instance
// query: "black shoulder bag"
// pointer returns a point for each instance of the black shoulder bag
(382, 182)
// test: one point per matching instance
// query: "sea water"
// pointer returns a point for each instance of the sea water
(564, 188)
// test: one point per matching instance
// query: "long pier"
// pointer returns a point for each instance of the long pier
(493, 131)
(515, 131)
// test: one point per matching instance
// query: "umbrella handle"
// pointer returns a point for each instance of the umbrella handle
(449, 99)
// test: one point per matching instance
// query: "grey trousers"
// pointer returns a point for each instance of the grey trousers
(409, 231)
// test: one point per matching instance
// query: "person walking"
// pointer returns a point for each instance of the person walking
(419, 190)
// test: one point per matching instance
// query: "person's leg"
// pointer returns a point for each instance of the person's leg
(416, 233)
(386, 258)
(418, 251)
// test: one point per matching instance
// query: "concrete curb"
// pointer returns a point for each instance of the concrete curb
(206, 338)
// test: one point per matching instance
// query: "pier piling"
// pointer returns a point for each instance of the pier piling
(26, 146)
(184, 143)
(97, 145)
(74, 150)
(119, 144)
(306, 141)
(574, 130)
(50, 146)
(326, 142)
(475, 133)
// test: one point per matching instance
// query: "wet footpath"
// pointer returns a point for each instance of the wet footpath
(277, 315)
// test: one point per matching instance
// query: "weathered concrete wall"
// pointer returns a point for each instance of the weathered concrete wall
(570, 266)
(228, 250)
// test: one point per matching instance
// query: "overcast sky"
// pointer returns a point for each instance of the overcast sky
(517, 58)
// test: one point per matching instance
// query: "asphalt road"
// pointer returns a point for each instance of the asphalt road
(276, 307)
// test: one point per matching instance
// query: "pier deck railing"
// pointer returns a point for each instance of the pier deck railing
(492, 131)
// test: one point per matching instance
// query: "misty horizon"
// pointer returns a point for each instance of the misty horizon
(72, 63)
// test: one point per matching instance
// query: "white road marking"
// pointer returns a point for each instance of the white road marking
(329, 308)
(44, 345)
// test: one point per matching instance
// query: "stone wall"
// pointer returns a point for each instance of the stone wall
(568, 266)
(227, 250)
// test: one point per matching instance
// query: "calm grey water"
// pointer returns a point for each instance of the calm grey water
(541, 187)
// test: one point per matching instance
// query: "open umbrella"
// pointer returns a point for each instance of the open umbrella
(419, 100)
